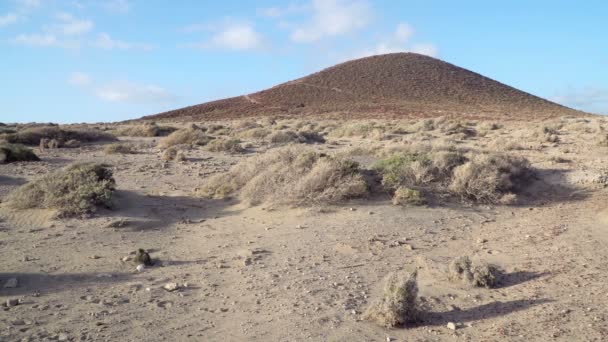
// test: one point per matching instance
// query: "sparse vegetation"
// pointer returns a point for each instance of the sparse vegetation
(75, 190)
(474, 273)
(405, 196)
(289, 175)
(33, 135)
(119, 149)
(185, 136)
(489, 177)
(399, 303)
(10, 153)
(173, 153)
(146, 130)
(225, 145)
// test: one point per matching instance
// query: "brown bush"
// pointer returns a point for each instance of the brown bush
(33, 135)
(75, 190)
(10, 153)
(289, 175)
(225, 145)
(119, 149)
(146, 130)
(474, 273)
(399, 303)
(189, 136)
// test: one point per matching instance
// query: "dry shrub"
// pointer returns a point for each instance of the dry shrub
(458, 128)
(399, 303)
(146, 130)
(417, 168)
(75, 190)
(474, 273)
(119, 149)
(488, 177)
(225, 145)
(286, 137)
(10, 153)
(289, 175)
(33, 135)
(603, 141)
(173, 153)
(190, 136)
(355, 129)
(405, 196)
(257, 133)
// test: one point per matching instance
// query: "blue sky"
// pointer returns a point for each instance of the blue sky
(92, 61)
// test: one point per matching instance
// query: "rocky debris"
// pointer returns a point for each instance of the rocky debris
(118, 223)
(11, 283)
(171, 287)
(451, 325)
(140, 268)
(10, 302)
(142, 257)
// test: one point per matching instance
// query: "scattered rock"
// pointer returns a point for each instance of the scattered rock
(142, 257)
(11, 283)
(140, 268)
(10, 302)
(451, 325)
(171, 287)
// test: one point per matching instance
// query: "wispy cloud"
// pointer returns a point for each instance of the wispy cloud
(117, 6)
(227, 36)
(80, 79)
(69, 25)
(134, 93)
(37, 40)
(106, 42)
(331, 18)
(399, 41)
(29, 3)
(277, 12)
(121, 91)
(7, 19)
(592, 99)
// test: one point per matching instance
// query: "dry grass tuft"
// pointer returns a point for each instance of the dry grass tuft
(225, 145)
(75, 190)
(405, 196)
(119, 149)
(146, 130)
(288, 137)
(189, 136)
(474, 273)
(173, 153)
(289, 175)
(399, 303)
(489, 177)
(10, 153)
(33, 135)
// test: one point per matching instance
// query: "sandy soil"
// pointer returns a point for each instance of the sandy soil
(295, 274)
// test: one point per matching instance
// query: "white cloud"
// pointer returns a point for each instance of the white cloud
(80, 79)
(231, 36)
(592, 99)
(37, 40)
(237, 37)
(134, 93)
(276, 12)
(29, 3)
(399, 42)
(7, 19)
(332, 18)
(117, 6)
(106, 42)
(69, 25)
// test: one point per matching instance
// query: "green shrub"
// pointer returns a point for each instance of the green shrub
(75, 190)
(14, 152)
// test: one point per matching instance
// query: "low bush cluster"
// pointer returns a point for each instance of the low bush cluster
(10, 153)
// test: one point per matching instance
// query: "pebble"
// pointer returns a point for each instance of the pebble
(171, 287)
(451, 325)
(11, 283)
(140, 268)
(12, 302)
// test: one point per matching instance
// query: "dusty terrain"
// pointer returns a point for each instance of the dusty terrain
(399, 85)
(282, 273)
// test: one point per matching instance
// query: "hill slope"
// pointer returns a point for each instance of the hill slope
(392, 85)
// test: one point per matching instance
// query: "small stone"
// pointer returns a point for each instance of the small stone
(171, 287)
(481, 241)
(451, 325)
(12, 302)
(95, 257)
(140, 268)
(62, 337)
(125, 259)
(11, 283)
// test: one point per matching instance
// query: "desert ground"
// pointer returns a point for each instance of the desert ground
(286, 264)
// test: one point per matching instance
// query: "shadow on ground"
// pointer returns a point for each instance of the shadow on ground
(149, 212)
(30, 283)
(490, 310)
